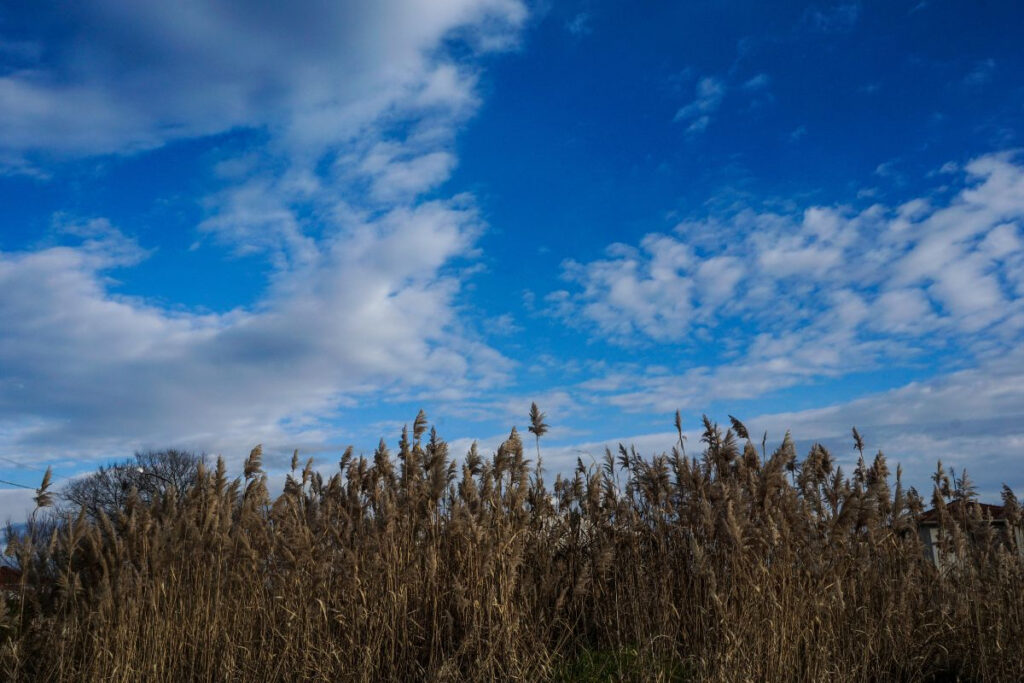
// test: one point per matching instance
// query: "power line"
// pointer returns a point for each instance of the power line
(30, 467)
(20, 486)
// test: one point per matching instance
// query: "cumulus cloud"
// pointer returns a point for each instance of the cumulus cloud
(822, 293)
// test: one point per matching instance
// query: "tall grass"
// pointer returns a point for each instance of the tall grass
(738, 565)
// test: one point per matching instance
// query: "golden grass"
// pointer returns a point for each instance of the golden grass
(739, 565)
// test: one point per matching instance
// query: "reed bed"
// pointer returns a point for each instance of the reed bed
(738, 564)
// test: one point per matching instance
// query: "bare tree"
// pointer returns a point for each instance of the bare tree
(148, 473)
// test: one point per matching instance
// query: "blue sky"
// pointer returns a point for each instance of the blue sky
(229, 223)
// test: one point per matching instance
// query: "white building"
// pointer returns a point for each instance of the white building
(930, 531)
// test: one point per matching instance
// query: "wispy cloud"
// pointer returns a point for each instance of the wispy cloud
(981, 73)
(757, 82)
(708, 96)
(836, 18)
(710, 91)
(579, 25)
(971, 418)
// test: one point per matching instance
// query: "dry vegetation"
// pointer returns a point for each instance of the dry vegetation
(738, 565)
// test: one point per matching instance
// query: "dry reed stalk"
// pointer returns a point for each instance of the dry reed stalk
(734, 565)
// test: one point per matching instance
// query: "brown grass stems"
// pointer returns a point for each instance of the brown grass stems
(737, 565)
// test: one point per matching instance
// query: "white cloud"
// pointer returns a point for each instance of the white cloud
(398, 178)
(699, 125)
(710, 92)
(981, 73)
(351, 111)
(579, 25)
(708, 96)
(136, 75)
(16, 504)
(85, 370)
(648, 283)
(837, 18)
(971, 418)
(757, 82)
(821, 294)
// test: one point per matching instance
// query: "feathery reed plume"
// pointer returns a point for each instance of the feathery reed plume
(43, 497)
(254, 464)
(537, 427)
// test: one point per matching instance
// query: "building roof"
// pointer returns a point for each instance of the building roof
(996, 512)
